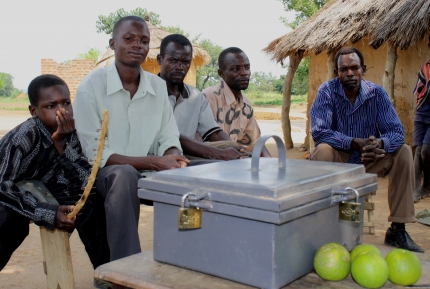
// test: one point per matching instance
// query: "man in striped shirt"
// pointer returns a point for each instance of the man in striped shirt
(353, 120)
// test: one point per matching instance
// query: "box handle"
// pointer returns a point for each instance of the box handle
(282, 154)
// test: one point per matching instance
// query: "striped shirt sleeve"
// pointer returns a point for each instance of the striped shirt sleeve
(389, 125)
(322, 117)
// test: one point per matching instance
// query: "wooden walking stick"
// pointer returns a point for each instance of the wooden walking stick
(81, 202)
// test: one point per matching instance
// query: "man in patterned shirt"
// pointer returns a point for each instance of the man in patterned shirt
(231, 109)
(46, 148)
(353, 120)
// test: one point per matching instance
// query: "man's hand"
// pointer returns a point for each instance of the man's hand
(65, 126)
(168, 162)
(239, 148)
(171, 160)
(61, 221)
(372, 156)
(374, 143)
(232, 153)
(371, 149)
(360, 143)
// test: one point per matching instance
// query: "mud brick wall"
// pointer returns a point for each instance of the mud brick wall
(72, 73)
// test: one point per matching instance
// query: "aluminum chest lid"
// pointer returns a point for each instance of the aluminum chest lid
(268, 183)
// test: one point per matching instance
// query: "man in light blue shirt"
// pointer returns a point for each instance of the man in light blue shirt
(142, 134)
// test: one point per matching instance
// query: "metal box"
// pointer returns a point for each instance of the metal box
(263, 218)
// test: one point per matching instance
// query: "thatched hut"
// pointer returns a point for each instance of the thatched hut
(392, 34)
(200, 56)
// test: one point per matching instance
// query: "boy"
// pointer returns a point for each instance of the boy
(45, 148)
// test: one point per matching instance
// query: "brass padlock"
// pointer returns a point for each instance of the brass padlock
(350, 211)
(189, 218)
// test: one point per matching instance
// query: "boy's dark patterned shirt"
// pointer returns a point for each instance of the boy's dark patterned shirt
(28, 153)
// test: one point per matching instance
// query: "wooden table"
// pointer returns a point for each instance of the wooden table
(141, 271)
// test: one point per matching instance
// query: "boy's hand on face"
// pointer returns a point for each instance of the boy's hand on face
(65, 126)
(61, 220)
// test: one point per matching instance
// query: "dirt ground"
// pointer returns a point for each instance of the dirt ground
(24, 270)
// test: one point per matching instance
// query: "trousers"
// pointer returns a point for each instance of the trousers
(90, 224)
(399, 166)
(117, 184)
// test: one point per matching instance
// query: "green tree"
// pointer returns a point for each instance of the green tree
(263, 82)
(105, 23)
(8, 88)
(207, 75)
(2, 82)
(92, 54)
(301, 78)
(175, 30)
(278, 85)
(303, 9)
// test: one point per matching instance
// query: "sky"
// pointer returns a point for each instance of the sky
(36, 29)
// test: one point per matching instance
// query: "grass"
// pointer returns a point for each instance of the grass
(272, 98)
(14, 108)
(14, 103)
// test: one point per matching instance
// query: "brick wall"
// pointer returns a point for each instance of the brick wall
(72, 73)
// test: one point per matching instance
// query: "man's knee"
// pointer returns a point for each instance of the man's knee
(127, 172)
(404, 154)
(116, 179)
(122, 173)
(323, 152)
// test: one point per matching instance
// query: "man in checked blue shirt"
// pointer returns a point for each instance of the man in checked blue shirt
(353, 120)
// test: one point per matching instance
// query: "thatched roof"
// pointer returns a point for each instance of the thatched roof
(402, 22)
(200, 56)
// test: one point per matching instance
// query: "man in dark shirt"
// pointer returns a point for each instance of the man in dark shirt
(46, 148)
(422, 134)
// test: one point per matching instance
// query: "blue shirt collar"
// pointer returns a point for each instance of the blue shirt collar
(363, 94)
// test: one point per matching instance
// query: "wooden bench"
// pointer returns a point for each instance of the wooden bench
(57, 263)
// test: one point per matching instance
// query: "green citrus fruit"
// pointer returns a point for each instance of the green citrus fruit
(362, 249)
(404, 267)
(369, 270)
(331, 262)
